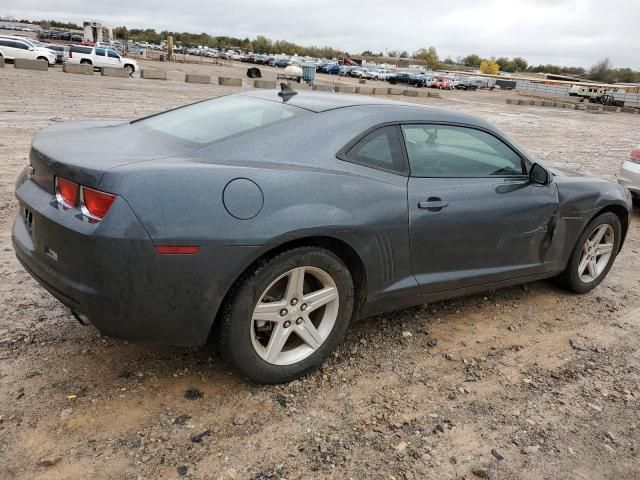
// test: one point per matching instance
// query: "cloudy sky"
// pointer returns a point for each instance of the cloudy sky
(566, 32)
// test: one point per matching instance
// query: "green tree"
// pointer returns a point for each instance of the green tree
(520, 64)
(472, 60)
(429, 56)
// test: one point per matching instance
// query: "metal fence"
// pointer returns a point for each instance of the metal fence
(533, 87)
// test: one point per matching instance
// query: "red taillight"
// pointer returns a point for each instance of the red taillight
(96, 203)
(66, 192)
(634, 155)
(70, 54)
(177, 249)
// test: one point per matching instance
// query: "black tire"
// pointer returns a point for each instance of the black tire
(130, 68)
(570, 279)
(233, 329)
(85, 62)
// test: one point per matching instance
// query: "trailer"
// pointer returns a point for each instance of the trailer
(596, 94)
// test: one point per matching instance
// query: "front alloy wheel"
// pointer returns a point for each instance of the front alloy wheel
(286, 315)
(593, 254)
(596, 253)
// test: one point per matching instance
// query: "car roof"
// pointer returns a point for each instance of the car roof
(389, 110)
(323, 101)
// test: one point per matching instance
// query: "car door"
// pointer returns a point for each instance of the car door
(474, 215)
(20, 50)
(7, 48)
(100, 58)
(113, 59)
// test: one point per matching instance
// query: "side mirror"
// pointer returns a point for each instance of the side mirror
(31, 49)
(539, 175)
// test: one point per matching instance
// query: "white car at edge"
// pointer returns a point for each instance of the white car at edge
(12, 47)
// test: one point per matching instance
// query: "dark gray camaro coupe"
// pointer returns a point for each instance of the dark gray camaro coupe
(269, 222)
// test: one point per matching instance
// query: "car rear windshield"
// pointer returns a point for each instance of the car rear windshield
(212, 120)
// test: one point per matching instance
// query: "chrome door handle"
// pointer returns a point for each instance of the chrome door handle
(433, 204)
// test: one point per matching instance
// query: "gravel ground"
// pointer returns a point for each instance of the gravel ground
(522, 383)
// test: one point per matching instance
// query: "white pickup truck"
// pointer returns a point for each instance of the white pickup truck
(100, 57)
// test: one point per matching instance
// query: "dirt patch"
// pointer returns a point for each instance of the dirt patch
(526, 382)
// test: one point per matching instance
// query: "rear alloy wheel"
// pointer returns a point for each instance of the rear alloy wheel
(287, 315)
(291, 328)
(130, 69)
(593, 254)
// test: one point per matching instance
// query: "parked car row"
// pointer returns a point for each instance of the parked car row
(57, 35)
(13, 47)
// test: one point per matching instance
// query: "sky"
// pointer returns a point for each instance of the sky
(563, 32)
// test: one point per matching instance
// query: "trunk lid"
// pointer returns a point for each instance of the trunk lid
(83, 151)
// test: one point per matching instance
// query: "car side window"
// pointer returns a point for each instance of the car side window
(112, 54)
(21, 45)
(380, 149)
(451, 151)
(100, 51)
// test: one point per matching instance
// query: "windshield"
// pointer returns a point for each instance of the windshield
(219, 118)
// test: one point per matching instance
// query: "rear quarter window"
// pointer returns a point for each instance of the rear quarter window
(79, 49)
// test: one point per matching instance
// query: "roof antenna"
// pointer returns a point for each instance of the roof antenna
(286, 92)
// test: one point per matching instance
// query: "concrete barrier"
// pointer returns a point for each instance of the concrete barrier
(364, 90)
(362, 81)
(413, 93)
(196, 78)
(230, 82)
(153, 74)
(83, 69)
(395, 91)
(176, 76)
(381, 91)
(345, 89)
(628, 109)
(323, 88)
(114, 72)
(1, 62)
(433, 94)
(25, 64)
(258, 83)
(511, 101)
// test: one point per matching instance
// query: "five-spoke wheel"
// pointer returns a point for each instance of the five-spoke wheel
(596, 252)
(593, 254)
(295, 315)
(286, 315)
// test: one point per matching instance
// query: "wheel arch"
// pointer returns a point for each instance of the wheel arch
(344, 251)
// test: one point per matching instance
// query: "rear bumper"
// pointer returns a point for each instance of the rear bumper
(111, 272)
(629, 176)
